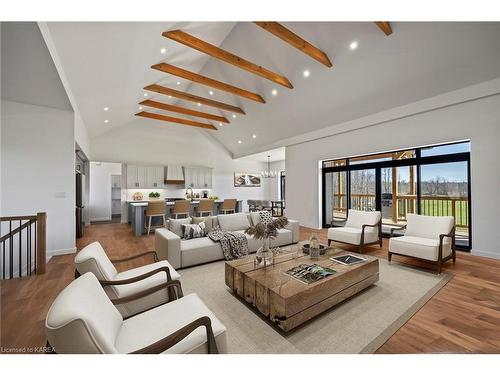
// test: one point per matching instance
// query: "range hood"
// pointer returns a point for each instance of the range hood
(174, 175)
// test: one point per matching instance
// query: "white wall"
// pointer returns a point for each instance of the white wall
(155, 143)
(100, 189)
(477, 120)
(37, 167)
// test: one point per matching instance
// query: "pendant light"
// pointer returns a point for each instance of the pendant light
(268, 173)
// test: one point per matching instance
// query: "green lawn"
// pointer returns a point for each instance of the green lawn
(435, 207)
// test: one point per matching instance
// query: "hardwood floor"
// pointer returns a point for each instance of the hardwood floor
(463, 317)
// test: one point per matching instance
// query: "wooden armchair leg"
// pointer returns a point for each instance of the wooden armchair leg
(360, 249)
(389, 257)
(329, 242)
(439, 266)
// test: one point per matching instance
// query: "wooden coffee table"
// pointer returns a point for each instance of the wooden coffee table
(289, 302)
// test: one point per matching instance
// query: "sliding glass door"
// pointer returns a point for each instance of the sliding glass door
(444, 192)
(431, 181)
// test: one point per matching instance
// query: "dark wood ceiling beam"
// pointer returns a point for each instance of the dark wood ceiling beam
(198, 78)
(214, 51)
(296, 41)
(385, 27)
(183, 110)
(176, 120)
(193, 98)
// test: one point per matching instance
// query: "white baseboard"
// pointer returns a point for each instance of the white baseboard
(485, 254)
(52, 253)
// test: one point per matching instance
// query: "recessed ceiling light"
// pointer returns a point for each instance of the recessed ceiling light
(106, 121)
(239, 142)
(140, 108)
(254, 136)
(274, 92)
(106, 108)
(199, 104)
(234, 116)
(211, 92)
(353, 45)
(170, 97)
(178, 83)
(220, 123)
(163, 51)
(306, 73)
(145, 94)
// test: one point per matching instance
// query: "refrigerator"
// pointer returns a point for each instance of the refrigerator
(80, 200)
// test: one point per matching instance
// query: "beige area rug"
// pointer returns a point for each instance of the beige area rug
(359, 325)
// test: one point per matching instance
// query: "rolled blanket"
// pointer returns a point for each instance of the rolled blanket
(234, 244)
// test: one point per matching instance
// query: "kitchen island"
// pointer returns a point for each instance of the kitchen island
(137, 210)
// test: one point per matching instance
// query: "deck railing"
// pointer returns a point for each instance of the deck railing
(23, 247)
(458, 207)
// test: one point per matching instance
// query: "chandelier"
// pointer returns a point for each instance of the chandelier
(268, 173)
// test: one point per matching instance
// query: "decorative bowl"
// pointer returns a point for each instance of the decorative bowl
(322, 249)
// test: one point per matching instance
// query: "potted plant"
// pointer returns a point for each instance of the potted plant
(154, 195)
(266, 230)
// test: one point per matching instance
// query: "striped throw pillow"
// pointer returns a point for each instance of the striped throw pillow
(193, 231)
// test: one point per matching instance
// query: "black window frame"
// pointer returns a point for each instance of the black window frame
(418, 161)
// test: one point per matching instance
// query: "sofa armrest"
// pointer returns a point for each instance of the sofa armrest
(168, 247)
(293, 225)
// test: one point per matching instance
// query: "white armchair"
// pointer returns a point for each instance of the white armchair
(82, 319)
(361, 228)
(93, 258)
(427, 238)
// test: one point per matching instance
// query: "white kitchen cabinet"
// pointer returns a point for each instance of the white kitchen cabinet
(198, 177)
(131, 176)
(116, 180)
(137, 177)
(154, 177)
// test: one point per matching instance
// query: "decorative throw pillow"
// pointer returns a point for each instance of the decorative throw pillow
(194, 230)
(255, 217)
(265, 217)
(175, 225)
(208, 220)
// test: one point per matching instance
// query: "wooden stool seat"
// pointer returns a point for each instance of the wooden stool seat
(206, 206)
(181, 208)
(228, 206)
(155, 209)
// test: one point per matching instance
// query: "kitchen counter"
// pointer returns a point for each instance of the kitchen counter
(137, 210)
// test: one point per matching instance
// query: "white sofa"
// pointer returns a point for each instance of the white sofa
(182, 253)
(92, 258)
(361, 228)
(83, 320)
(428, 238)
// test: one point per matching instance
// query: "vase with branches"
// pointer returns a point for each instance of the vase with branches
(265, 231)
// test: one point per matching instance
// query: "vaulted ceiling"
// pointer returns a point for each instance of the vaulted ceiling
(109, 64)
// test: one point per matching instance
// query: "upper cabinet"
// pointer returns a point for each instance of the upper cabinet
(198, 177)
(142, 177)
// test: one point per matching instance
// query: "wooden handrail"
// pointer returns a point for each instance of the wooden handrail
(17, 230)
(13, 218)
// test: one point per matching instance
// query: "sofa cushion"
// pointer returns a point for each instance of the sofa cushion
(233, 222)
(255, 217)
(285, 237)
(429, 226)
(200, 250)
(351, 235)
(175, 225)
(145, 329)
(193, 231)
(356, 219)
(208, 220)
(419, 247)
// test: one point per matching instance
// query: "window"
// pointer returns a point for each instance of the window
(428, 181)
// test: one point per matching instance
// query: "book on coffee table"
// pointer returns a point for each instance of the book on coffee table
(348, 259)
(309, 273)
